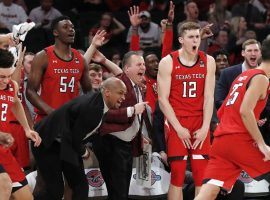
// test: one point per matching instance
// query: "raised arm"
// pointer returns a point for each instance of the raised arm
(16, 76)
(164, 87)
(208, 105)
(96, 42)
(112, 67)
(135, 21)
(167, 38)
(120, 27)
(206, 31)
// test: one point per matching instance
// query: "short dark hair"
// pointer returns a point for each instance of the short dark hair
(221, 30)
(188, 26)
(266, 50)
(220, 52)
(127, 57)
(6, 59)
(148, 53)
(57, 20)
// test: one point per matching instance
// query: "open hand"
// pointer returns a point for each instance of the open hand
(99, 38)
(184, 135)
(134, 16)
(199, 137)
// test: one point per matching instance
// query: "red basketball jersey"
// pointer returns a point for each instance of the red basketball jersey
(187, 86)
(61, 80)
(229, 113)
(6, 103)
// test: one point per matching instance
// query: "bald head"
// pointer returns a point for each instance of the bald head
(113, 90)
(112, 83)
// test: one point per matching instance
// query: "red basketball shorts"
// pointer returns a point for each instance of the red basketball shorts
(177, 153)
(10, 165)
(20, 148)
(229, 155)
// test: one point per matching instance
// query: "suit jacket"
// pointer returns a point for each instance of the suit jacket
(71, 123)
(227, 76)
(117, 119)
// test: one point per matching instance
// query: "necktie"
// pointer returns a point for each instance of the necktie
(136, 88)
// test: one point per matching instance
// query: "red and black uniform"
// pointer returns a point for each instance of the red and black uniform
(234, 149)
(7, 160)
(187, 99)
(20, 147)
(60, 82)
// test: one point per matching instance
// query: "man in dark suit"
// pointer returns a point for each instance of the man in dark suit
(120, 135)
(252, 53)
(63, 132)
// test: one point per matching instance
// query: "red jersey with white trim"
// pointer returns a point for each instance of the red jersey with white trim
(151, 92)
(187, 86)
(229, 113)
(61, 80)
(6, 103)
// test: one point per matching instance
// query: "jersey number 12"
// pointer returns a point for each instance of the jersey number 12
(189, 89)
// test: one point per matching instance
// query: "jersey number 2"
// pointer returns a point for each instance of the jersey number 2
(4, 112)
(64, 84)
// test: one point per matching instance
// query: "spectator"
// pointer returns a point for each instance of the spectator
(252, 54)
(149, 32)
(222, 61)
(221, 40)
(44, 14)
(108, 23)
(11, 14)
(236, 39)
(254, 17)
(192, 15)
(219, 15)
(116, 57)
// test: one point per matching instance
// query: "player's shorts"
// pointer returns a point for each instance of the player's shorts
(15, 185)
(229, 155)
(177, 153)
(175, 145)
(11, 165)
(20, 148)
(18, 185)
